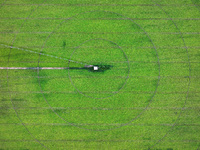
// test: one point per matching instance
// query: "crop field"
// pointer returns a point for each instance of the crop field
(145, 93)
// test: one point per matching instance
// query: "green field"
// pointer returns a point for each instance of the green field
(148, 99)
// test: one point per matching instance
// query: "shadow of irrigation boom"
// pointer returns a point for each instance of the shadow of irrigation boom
(92, 68)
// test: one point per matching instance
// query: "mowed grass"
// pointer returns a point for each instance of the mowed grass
(156, 107)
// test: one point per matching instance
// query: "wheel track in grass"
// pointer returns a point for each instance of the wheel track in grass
(196, 5)
(38, 141)
(35, 52)
(182, 108)
(161, 47)
(117, 33)
(3, 4)
(86, 4)
(103, 18)
(101, 108)
(158, 78)
(126, 78)
(188, 76)
(93, 140)
(70, 92)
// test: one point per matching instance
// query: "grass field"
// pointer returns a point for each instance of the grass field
(148, 99)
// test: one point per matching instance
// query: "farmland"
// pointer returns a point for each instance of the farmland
(148, 99)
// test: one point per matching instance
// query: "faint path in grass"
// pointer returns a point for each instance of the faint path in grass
(196, 3)
(3, 3)
(189, 77)
(33, 68)
(52, 56)
(9, 92)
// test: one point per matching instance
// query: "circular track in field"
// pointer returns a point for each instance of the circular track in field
(99, 84)
(119, 36)
(85, 127)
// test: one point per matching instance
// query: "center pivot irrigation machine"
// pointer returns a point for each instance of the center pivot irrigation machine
(98, 68)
